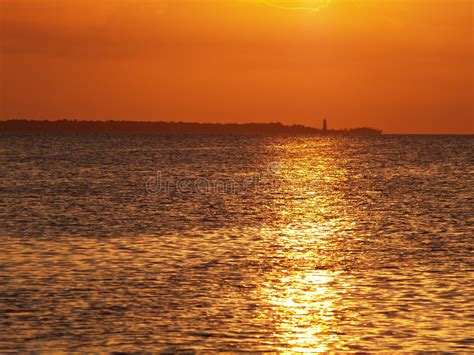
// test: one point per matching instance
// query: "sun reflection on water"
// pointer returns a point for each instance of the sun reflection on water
(306, 292)
(306, 307)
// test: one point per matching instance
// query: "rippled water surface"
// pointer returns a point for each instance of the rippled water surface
(133, 243)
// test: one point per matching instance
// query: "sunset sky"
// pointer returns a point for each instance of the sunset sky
(404, 66)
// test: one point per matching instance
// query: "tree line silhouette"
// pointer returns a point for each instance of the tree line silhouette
(171, 128)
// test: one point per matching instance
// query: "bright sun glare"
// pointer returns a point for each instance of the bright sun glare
(307, 5)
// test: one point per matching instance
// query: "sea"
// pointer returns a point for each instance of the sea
(185, 244)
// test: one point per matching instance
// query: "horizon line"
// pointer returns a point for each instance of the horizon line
(387, 133)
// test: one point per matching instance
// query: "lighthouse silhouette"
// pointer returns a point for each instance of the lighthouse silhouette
(325, 125)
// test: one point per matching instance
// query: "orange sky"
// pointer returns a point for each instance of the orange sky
(404, 66)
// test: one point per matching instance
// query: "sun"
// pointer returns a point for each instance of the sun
(302, 5)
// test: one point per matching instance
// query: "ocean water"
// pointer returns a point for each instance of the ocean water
(148, 243)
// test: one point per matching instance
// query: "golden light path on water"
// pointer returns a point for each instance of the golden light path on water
(307, 306)
(306, 295)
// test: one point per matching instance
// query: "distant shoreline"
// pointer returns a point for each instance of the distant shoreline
(173, 128)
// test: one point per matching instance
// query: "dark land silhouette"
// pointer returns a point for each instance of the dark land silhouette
(172, 128)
